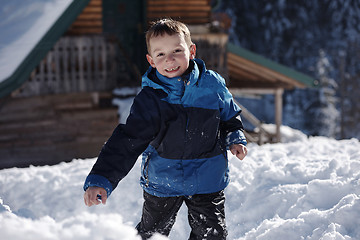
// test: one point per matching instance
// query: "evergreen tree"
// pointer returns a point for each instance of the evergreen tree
(327, 115)
(292, 33)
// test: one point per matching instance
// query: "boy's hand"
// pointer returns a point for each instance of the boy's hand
(95, 196)
(239, 150)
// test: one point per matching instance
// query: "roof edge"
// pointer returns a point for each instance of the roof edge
(23, 71)
(258, 59)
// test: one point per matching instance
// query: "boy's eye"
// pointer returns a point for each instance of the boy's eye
(160, 55)
(178, 50)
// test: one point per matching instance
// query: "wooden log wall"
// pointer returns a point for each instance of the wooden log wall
(211, 47)
(188, 11)
(46, 130)
(89, 21)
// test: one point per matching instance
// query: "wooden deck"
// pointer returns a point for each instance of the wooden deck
(50, 129)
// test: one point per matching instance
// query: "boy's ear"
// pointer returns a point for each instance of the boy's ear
(150, 60)
(192, 51)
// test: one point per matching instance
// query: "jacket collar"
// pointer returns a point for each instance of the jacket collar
(155, 80)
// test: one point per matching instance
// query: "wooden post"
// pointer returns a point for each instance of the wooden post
(278, 112)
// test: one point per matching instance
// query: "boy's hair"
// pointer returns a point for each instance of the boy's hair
(167, 26)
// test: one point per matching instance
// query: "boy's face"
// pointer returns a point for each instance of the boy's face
(170, 55)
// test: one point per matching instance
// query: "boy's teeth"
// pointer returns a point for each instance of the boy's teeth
(172, 69)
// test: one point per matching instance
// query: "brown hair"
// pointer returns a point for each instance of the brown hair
(167, 26)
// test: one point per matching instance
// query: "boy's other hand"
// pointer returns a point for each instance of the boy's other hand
(239, 150)
(95, 196)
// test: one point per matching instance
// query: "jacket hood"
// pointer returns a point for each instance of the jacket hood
(151, 77)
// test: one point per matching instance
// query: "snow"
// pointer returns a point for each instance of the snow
(304, 188)
(23, 24)
(124, 98)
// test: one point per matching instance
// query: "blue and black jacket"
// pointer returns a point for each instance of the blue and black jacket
(182, 127)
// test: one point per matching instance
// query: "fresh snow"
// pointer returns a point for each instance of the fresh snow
(304, 188)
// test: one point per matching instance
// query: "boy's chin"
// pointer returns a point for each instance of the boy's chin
(172, 75)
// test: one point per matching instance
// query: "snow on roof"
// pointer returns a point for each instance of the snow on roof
(28, 31)
(23, 25)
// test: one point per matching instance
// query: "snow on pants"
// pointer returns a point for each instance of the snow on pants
(206, 215)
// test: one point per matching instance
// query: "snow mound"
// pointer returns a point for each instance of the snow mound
(287, 134)
(4, 208)
(304, 189)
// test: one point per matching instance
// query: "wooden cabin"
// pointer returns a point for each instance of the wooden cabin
(56, 106)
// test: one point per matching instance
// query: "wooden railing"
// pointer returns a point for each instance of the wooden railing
(76, 64)
(262, 135)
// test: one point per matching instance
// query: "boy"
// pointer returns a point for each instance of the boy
(181, 122)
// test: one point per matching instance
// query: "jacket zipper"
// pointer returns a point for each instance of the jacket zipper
(186, 133)
(186, 81)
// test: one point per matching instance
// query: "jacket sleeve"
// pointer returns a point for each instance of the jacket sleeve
(128, 141)
(234, 131)
(230, 120)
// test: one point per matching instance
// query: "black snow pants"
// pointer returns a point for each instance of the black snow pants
(206, 215)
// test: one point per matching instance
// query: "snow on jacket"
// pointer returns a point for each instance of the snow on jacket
(182, 127)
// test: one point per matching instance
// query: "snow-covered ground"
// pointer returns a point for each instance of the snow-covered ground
(306, 188)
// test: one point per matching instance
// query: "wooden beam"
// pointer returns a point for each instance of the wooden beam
(242, 71)
(239, 63)
(180, 7)
(91, 9)
(180, 13)
(88, 23)
(176, 2)
(255, 91)
(278, 112)
(235, 73)
(84, 30)
(244, 83)
(186, 20)
(202, 33)
(254, 121)
(89, 16)
(95, 2)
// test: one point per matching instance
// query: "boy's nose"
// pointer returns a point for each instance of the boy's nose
(170, 57)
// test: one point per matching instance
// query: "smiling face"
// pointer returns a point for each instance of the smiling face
(170, 54)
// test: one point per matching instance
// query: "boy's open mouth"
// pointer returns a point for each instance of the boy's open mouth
(174, 69)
